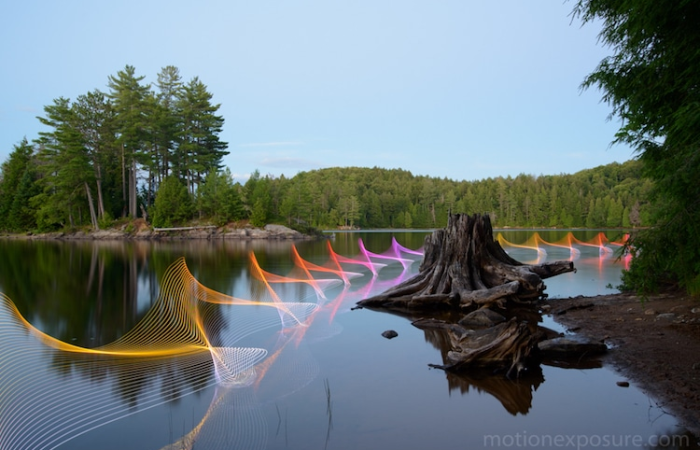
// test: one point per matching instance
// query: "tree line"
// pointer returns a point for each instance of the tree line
(153, 151)
(106, 154)
(96, 164)
(157, 147)
(606, 196)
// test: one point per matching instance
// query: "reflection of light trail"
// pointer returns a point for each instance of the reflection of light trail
(167, 355)
(598, 241)
(568, 242)
(52, 392)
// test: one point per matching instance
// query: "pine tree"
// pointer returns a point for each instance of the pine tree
(129, 98)
(651, 81)
(199, 150)
(12, 182)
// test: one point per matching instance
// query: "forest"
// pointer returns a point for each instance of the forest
(153, 151)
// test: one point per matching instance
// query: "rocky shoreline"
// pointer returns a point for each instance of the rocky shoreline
(145, 232)
(654, 343)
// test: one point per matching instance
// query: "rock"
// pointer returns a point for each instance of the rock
(570, 346)
(666, 316)
(390, 334)
(649, 312)
(281, 232)
(623, 383)
(257, 233)
(483, 317)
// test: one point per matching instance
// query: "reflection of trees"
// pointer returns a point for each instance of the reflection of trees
(141, 381)
(80, 292)
(87, 292)
(81, 392)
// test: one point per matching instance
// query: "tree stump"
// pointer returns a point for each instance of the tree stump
(464, 266)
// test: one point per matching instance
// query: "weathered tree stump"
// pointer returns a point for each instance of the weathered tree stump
(464, 266)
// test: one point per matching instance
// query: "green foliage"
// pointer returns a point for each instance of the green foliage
(219, 199)
(381, 198)
(651, 81)
(258, 217)
(173, 204)
(96, 149)
(17, 176)
(22, 215)
(106, 221)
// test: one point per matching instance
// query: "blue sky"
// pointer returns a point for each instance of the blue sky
(458, 89)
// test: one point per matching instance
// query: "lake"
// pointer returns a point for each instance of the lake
(255, 345)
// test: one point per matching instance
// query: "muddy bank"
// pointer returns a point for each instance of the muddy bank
(654, 344)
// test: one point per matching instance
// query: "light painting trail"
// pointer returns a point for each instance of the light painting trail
(52, 392)
(192, 339)
(568, 242)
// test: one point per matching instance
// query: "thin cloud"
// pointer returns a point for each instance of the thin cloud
(288, 162)
(271, 144)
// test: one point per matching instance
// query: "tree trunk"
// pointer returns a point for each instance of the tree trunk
(93, 216)
(132, 189)
(465, 267)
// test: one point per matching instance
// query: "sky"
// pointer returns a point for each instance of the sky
(460, 89)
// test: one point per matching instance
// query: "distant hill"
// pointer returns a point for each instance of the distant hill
(613, 195)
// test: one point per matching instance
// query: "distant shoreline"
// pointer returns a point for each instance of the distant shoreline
(145, 233)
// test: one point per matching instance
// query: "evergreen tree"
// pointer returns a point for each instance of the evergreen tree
(22, 215)
(199, 150)
(95, 122)
(67, 173)
(219, 199)
(167, 121)
(13, 183)
(173, 204)
(651, 80)
(130, 101)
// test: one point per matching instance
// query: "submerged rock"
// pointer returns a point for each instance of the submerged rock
(390, 334)
(570, 346)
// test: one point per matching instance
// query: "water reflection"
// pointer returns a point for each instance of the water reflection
(90, 294)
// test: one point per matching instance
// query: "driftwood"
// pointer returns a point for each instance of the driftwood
(464, 266)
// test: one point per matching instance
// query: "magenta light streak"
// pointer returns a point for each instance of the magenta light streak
(364, 260)
(393, 254)
(400, 248)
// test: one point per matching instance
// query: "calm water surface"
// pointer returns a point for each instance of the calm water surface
(334, 383)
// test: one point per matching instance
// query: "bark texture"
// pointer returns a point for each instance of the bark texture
(464, 266)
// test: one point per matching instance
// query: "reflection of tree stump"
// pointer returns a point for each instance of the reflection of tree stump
(464, 266)
(506, 346)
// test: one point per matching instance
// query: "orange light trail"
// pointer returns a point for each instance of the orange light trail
(52, 391)
(568, 242)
